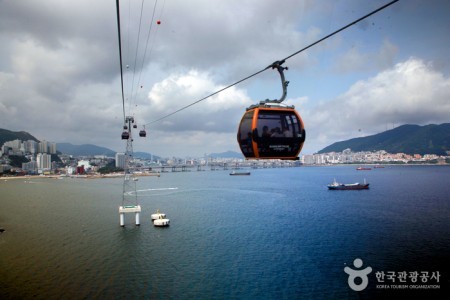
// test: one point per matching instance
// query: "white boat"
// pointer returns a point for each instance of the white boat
(158, 215)
(161, 222)
(159, 219)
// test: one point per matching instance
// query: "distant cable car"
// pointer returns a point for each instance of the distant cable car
(270, 129)
(134, 126)
(125, 135)
(143, 133)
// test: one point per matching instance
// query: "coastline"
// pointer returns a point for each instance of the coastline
(118, 175)
(94, 176)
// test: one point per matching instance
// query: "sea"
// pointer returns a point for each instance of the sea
(276, 234)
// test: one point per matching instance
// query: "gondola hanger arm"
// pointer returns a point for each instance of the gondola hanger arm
(278, 65)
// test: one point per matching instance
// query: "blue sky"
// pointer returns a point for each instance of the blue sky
(59, 68)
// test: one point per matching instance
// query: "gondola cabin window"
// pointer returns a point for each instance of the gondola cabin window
(245, 139)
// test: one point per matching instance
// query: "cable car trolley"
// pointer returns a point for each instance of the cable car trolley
(271, 129)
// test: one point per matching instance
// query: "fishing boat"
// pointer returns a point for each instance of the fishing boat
(348, 186)
(363, 168)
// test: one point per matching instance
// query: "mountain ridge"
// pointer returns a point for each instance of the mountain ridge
(84, 150)
(409, 139)
(8, 135)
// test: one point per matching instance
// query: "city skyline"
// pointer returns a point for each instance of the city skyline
(22, 147)
(59, 69)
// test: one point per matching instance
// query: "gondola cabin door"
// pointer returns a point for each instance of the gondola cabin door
(271, 132)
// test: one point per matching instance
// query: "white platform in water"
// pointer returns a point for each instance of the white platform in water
(129, 208)
(158, 215)
(161, 222)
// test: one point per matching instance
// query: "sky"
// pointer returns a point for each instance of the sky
(60, 69)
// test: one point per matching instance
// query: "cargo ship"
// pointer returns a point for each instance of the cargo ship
(233, 173)
(348, 186)
(363, 168)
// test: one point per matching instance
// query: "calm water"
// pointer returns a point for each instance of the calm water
(277, 234)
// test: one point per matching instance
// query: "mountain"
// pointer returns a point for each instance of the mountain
(145, 155)
(409, 139)
(7, 135)
(84, 150)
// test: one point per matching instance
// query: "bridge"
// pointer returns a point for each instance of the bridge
(219, 166)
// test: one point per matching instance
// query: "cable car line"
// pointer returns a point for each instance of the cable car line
(343, 28)
(120, 55)
(279, 61)
(136, 53)
(136, 86)
(146, 47)
(204, 98)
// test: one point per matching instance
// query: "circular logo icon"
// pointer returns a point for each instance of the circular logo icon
(353, 274)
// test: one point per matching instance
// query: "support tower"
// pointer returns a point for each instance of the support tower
(129, 196)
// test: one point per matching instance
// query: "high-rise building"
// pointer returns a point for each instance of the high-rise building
(44, 161)
(29, 166)
(52, 148)
(43, 146)
(120, 160)
(31, 146)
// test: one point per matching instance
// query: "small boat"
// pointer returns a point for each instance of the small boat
(379, 167)
(161, 221)
(234, 173)
(348, 186)
(363, 168)
(158, 215)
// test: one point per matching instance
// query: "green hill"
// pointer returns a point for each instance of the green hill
(409, 139)
(84, 150)
(7, 135)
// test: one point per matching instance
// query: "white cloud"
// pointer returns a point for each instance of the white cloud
(59, 66)
(411, 92)
(218, 113)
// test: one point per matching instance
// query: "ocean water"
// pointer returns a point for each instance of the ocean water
(277, 234)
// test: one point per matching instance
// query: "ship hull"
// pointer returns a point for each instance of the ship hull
(349, 187)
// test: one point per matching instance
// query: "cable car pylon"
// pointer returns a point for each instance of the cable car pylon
(129, 196)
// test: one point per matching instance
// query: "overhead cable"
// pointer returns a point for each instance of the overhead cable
(120, 55)
(279, 62)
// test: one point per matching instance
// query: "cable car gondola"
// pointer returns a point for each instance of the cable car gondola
(125, 135)
(270, 129)
(143, 133)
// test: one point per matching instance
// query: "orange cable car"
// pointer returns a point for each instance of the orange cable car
(270, 129)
